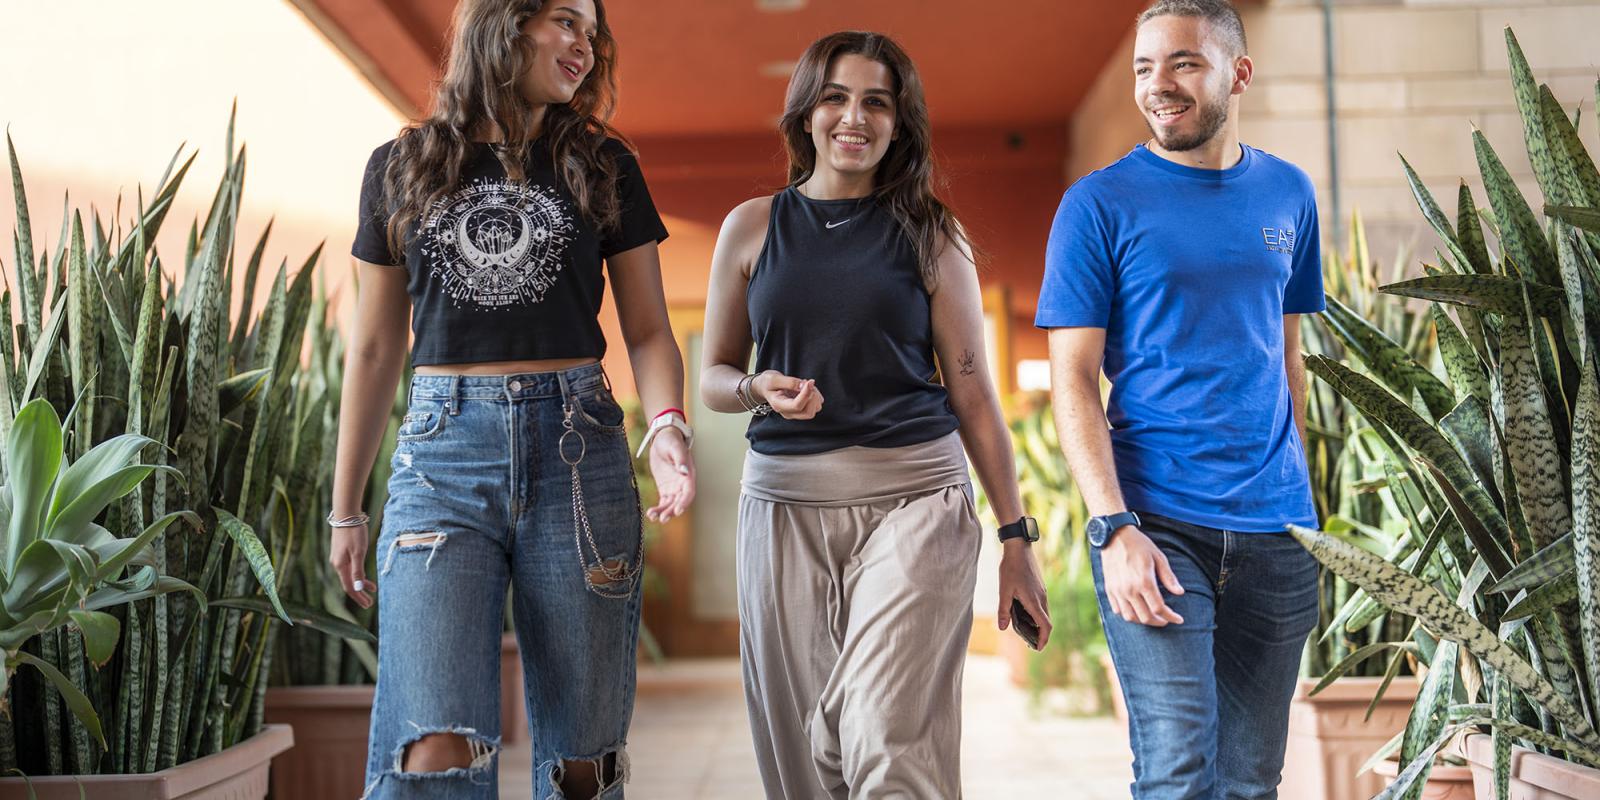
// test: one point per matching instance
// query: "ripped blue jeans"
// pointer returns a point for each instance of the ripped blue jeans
(523, 480)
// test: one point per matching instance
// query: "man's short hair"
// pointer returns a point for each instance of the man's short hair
(1221, 14)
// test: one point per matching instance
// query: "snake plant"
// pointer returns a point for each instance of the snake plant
(154, 363)
(1504, 453)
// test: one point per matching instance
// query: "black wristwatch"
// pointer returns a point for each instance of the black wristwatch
(1027, 528)
(1100, 529)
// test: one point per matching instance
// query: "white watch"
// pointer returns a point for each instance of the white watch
(668, 420)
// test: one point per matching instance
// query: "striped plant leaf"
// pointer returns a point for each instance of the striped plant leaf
(29, 292)
(77, 702)
(1496, 293)
(1582, 301)
(1387, 360)
(1429, 711)
(256, 555)
(1468, 428)
(1406, 594)
(1551, 562)
(1436, 217)
(1574, 168)
(8, 372)
(1530, 440)
(248, 288)
(1520, 233)
(1548, 596)
(1526, 91)
(1583, 217)
(301, 614)
(1469, 232)
(1361, 654)
(1586, 517)
(1380, 406)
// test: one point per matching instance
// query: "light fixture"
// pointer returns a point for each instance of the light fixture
(779, 6)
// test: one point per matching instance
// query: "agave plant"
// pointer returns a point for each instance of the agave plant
(134, 352)
(57, 567)
(1503, 453)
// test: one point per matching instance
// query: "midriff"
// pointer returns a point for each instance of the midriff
(504, 367)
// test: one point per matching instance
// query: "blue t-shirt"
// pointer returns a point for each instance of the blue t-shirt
(1191, 271)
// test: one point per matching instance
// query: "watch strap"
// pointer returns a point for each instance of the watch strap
(1016, 530)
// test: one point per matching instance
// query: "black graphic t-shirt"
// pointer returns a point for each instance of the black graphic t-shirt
(503, 270)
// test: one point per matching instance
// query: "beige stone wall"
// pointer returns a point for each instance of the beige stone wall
(1412, 76)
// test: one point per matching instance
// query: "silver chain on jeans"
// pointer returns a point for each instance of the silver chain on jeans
(581, 532)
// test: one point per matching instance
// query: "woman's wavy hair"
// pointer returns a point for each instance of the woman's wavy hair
(479, 91)
(905, 180)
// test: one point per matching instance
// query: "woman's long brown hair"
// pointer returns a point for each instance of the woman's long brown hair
(479, 92)
(905, 181)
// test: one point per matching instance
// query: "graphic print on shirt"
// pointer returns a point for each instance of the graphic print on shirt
(495, 242)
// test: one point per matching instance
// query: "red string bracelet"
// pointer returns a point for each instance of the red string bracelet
(665, 412)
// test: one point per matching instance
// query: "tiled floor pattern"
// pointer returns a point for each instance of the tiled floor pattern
(690, 741)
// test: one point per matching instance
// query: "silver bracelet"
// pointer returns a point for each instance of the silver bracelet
(742, 392)
(352, 521)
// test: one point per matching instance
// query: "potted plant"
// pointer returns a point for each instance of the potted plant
(132, 352)
(1506, 454)
(1356, 683)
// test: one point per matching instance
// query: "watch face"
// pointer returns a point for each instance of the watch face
(1096, 529)
(1030, 526)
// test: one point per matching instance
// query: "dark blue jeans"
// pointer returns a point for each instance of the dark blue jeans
(1208, 700)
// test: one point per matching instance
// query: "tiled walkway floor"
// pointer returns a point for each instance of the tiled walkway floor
(690, 741)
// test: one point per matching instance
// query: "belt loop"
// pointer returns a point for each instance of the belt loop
(566, 389)
(455, 395)
(605, 376)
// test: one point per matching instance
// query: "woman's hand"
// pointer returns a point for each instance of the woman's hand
(1019, 578)
(792, 398)
(673, 470)
(347, 552)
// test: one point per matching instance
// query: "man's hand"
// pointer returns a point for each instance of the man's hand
(1019, 578)
(1132, 564)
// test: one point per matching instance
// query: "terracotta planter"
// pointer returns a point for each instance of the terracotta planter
(1534, 776)
(1330, 737)
(1445, 782)
(513, 696)
(331, 725)
(237, 773)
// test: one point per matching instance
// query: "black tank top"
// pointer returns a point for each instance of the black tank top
(836, 296)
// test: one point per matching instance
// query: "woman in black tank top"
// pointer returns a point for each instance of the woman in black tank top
(857, 536)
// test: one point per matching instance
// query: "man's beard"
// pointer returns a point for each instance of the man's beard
(1211, 119)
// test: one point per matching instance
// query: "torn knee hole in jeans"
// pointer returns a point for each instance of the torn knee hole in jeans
(430, 541)
(447, 748)
(597, 774)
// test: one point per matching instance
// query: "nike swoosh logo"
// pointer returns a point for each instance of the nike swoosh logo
(831, 225)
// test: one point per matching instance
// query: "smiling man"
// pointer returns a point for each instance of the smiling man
(1181, 271)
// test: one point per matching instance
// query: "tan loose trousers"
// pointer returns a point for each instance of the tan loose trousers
(856, 572)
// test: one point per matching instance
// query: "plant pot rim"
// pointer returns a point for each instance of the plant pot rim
(187, 777)
(1552, 773)
(1349, 689)
(352, 695)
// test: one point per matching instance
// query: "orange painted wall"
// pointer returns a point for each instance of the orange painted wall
(1004, 184)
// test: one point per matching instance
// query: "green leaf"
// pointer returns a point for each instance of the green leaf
(1460, 362)
(1526, 91)
(1349, 662)
(112, 597)
(1548, 596)
(1519, 230)
(1530, 439)
(76, 701)
(1496, 293)
(256, 555)
(1380, 406)
(1576, 216)
(1550, 563)
(44, 347)
(1435, 216)
(33, 458)
(1574, 168)
(1408, 595)
(239, 389)
(100, 631)
(1386, 359)
(1586, 517)
(112, 566)
(302, 615)
(1470, 232)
